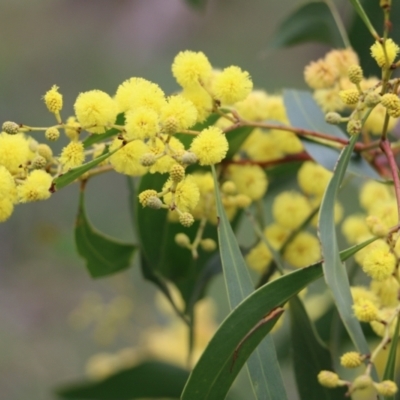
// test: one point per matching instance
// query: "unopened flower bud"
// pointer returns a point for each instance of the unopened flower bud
(386, 388)
(170, 126)
(188, 158)
(349, 96)
(333, 118)
(361, 382)
(39, 162)
(394, 112)
(242, 200)
(208, 244)
(10, 127)
(228, 187)
(148, 159)
(182, 240)
(355, 73)
(351, 359)
(354, 127)
(33, 145)
(45, 151)
(372, 99)
(177, 172)
(154, 202)
(145, 195)
(328, 379)
(52, 134)
(186, 219)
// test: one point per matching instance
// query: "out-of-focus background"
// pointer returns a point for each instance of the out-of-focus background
(84, 45)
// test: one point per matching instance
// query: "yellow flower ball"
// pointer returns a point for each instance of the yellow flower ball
(262, 146)
(365, 310)
(72, 155)
(14, 152)
(320, 75)
(250, 180)
(35, 187)
(276, 235)
(354, 227)
(127, 159)
(139, 92)
(53, 100)
(303, 250)
(190, 68)
(141, 123)
(201, 99)
(210, 146)
(186, 195)
(157, 147)
(179, 112)
(72, 129)
(328, 379)
(329, 99)
(8, 189)
(392, 49)
(232, 85)
(386, 213)
(386, 388)
(373, 192)
(6, 208)
(387, 291)
(286, 142)
(259, 257)
(375, 121)
(95, 110)
(379, 263)
(255, 107)
(341, 60)
(313, 178)
(351, 359)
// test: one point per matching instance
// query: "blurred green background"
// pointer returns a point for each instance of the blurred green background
(84, 45)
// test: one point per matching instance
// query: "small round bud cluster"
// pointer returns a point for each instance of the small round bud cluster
(170, 125)
(351, 359)
(354, 127)
(355, 74)
(52, 134)
(10, 127)
(148, 159)
(181, 239)
(45, 151)
(208, 245)
(39, 162)
(188, 158)
(53, 100)
(372, 99)
(154, 202)
(228, 187)
(376, 226)
(186, 219)
(242, 201)
(390, 100)
(386, 388)
(145, 195)
(177, 172)
(328, 379)
(349, 96)
(333, 118)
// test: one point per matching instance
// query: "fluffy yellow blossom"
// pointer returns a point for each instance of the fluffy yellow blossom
(186, 194)
(377, 52)
(190, 68)
(386, 212)
(210, 146)
(72, 128)
(365, 310)
(141, 123)
(328, 379)
(232, 85)
(139, 92)
(8, 189)
(72, 155)
(351, 359)
(387, 291)
(386, 388)
(95, 110)
(320, 75)
(249, 180)
(303, 250)
(201, 99)
(259, 257)
(329, 99)
(163, 164)
(127, 159)
(342, 59)
(262, 146)
(178, 112)
(290, 209)
(276, 235)
(35, 187)
(379, 263)
(14, 151)
(359, 293)
(255, 107)
(6, 208)
(354, 227)
(53, 100)
(313, 178)
(373, 192)
(286, 142)
(375, 121)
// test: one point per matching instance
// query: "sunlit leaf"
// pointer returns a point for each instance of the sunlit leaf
(103, 255)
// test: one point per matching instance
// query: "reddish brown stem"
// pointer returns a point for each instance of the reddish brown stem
(303, 156)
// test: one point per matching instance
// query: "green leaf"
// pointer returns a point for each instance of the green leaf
(104, 256)
(148, 380)
(334, 270)
(164, 258)
(390, 368)
(265, 378)
(197, 3)
(312, 21)
(304, 113)
(236, 137)
(74, 173)
(310, 356)
(212, 376)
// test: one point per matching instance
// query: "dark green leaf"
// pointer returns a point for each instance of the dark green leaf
(149, 380)
(310, 356)
(197, 3)
(236, 138)
(212, 375)
(390, 368)
(265, 378)
(361, 39)
(304, 113)
(312, 21)
(104, 256)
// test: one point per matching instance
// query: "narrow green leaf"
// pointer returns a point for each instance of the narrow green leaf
(212, 375)
(236, 138)
(364, 17)
(390, 368)
(265, 377)
(334, 270)
(74, 173)
(304, 113)
(310, 356)
(312, 21)
(104, 256)
(148, 380)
